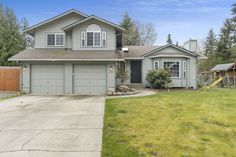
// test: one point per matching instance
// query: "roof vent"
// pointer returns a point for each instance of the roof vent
(125, 49)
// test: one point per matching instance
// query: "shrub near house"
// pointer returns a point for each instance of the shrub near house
(158, 78)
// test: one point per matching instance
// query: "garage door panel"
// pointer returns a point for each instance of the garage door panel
(85, 83)
(98, 76)
(47, 79)
(89, 79)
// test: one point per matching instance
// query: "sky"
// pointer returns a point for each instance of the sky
(183, 19)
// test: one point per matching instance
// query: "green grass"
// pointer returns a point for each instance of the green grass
(173, 124)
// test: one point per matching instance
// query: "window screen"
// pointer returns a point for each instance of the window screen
(59, 39)
(51, 39)
(97, 39)
(89, 38)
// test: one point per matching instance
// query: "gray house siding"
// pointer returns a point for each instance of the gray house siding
(54, 27)
(170, 54)
(110, 35)
(68, 75)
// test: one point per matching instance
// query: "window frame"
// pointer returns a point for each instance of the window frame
(179, 67)
(89, 31)
(154, 65)
(55, 37)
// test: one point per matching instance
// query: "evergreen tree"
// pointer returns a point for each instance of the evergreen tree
(210, 44)
(225, 42)
(12, 41)
(169, 40)
(130, 36)
(234, 23)
(28, 39)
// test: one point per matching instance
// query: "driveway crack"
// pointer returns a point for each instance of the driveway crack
(28, 141)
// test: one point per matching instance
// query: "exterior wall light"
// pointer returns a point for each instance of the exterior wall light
(111, 68)
(24, 66)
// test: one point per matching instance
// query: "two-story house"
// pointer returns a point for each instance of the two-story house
(79, 54)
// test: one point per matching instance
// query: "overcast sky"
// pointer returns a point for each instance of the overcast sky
(181, 18)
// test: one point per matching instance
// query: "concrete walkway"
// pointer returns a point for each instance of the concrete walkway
(51, 126)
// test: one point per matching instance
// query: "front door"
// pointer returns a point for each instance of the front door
(136, 71)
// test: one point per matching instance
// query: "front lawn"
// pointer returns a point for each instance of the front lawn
(172, 124)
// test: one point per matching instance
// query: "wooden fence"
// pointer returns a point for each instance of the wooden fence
(9, 78)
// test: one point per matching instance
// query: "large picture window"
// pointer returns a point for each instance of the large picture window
(173, 67)
(55, 39)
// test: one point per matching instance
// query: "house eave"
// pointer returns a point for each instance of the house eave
(54, 60)
(167, 45)
(54, 18)
(169, 56)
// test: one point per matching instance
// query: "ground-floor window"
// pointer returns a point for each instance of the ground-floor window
(173, 67)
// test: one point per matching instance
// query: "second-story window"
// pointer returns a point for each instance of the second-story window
(93, 34)
(55, 39)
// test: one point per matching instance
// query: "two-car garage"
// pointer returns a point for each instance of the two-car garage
(85, 79)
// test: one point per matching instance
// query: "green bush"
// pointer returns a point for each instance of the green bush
(158, 78)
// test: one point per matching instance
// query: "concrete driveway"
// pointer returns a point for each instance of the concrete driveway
(48, 126)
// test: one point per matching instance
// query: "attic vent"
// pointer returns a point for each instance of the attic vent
(125, 49)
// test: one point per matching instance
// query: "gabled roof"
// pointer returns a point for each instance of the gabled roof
(170, 45)
(223, 67)
(56, 17)
(92, 17)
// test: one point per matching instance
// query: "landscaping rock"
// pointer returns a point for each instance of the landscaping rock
(123, 88)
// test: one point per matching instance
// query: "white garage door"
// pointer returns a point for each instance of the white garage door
(90, 79)
(47, 79)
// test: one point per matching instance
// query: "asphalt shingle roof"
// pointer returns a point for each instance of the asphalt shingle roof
(62, 54)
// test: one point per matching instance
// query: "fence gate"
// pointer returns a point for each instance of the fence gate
(9, 78)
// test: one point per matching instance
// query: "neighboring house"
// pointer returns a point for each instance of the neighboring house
(79, 54)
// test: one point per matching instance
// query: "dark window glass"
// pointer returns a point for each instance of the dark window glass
(89, 38)
(51, 39)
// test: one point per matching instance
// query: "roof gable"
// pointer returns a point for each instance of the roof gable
(89, 18)
(55, 18)
(173, 46)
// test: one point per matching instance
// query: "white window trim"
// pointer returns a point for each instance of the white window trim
(179, 67)
(105, 35)
(55, 39)
(154, 63)
(83, 32)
